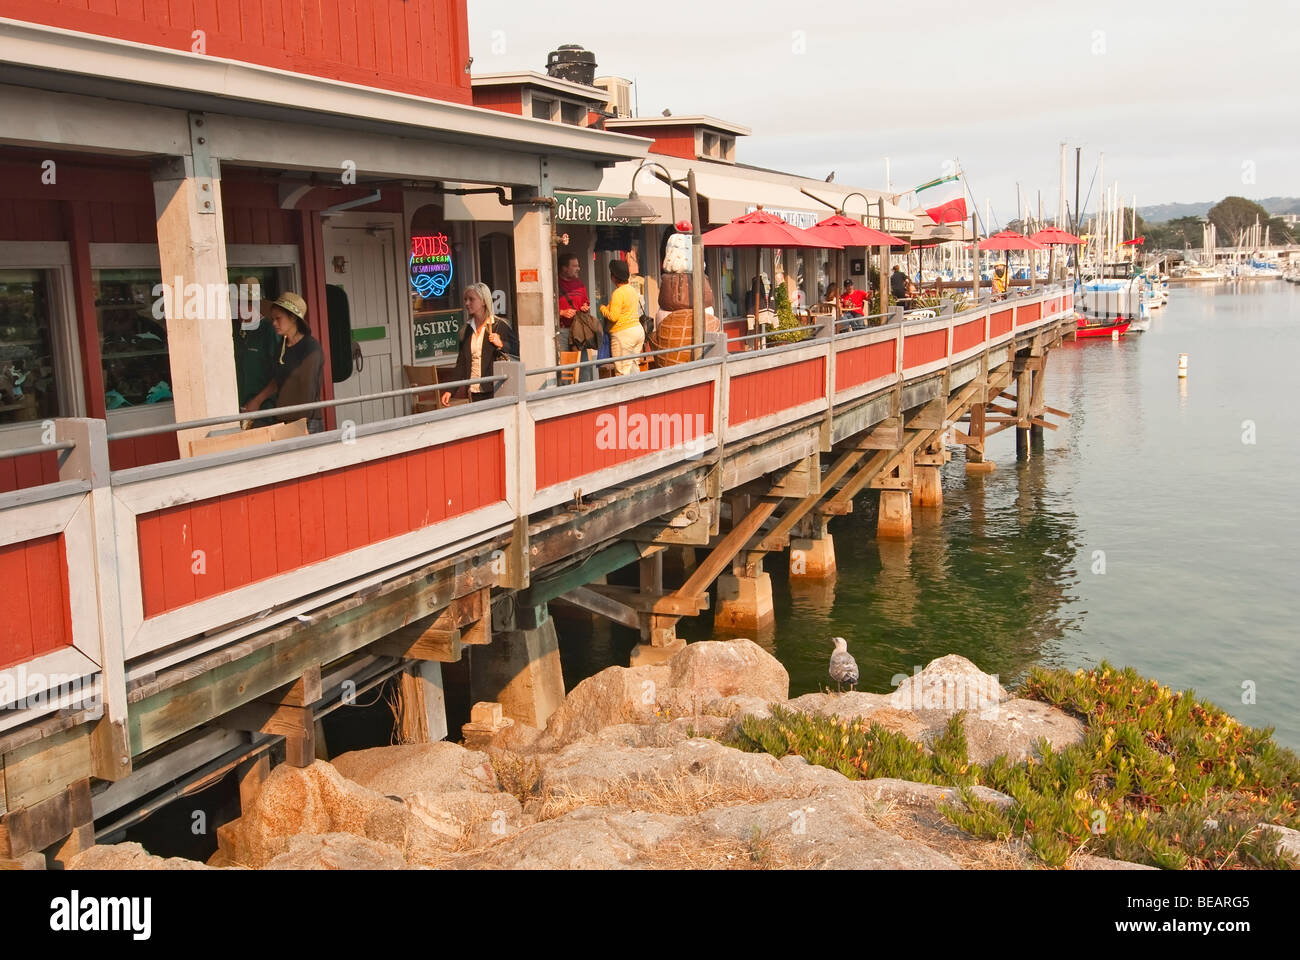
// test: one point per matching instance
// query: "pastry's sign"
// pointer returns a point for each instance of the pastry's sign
(586, 209)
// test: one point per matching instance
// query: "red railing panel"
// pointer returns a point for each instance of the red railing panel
(967, 335)
(864, 364)
(923, 348)
(1028, 313)
(35, 612)
(1000, 322)
(582, 442)
(765, 392)
(255, 534)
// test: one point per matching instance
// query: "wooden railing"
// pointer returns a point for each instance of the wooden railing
(112, 574)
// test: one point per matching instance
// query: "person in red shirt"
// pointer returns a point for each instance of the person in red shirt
(852, 302)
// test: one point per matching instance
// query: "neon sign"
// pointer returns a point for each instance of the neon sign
(431, 265)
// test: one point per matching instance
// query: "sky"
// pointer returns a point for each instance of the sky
(1188, 100)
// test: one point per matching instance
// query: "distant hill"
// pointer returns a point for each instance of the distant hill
(1162, 212)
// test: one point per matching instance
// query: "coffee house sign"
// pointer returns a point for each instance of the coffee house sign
(587, 209)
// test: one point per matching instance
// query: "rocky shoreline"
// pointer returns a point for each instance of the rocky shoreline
(633, 771)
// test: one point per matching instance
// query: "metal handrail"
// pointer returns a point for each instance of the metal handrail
(774, 332)
(869, 316)
(298, 408)
(561, 367)
(38, 448)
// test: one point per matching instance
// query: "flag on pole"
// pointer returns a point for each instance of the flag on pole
(944, 200)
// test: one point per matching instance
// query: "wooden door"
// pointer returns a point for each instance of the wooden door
(360, 261)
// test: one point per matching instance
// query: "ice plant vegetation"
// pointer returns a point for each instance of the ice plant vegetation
(1161, 777)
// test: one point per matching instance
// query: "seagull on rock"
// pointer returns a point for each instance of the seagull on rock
(844, 669)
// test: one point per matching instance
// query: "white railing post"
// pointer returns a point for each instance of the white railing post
(88, 460)
(520, 460)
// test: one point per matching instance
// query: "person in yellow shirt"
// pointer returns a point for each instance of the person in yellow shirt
(626, 335)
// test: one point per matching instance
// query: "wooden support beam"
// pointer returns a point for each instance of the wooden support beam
(930, 416)
(689, 527)
(1056, 413)
(842, 500)
(1043, 423)
(439, 637)
(779, 537)
(185, 697)
(886, 435)
(667, 604)
(606, 607)
(721, 555)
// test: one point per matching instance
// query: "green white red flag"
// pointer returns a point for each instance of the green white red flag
(944, 200)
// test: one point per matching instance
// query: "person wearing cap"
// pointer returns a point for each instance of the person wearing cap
(853, 305)
(298, 369)
(999, 280)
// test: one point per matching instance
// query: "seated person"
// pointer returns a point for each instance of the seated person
(853, 305)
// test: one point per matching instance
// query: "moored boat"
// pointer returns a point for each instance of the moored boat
(1088, 329)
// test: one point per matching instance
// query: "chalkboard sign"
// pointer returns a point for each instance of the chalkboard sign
(437, 331)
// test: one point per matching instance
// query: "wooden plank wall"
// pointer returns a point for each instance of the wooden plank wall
(35, 614)
(1000, 322)
(19, 473)
(412, 46)
(256, 534)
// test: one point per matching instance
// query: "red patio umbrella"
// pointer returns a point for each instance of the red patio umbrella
(850, 233)
(761, 229)
(1009, 240)
(844, 231)
(1055, 235)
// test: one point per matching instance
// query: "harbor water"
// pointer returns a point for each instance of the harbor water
(1156, 528)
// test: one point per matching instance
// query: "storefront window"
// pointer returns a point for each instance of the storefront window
(132, 338)
(28, 386)
(255, 338)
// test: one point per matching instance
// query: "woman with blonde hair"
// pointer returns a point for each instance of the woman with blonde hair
(484, 339)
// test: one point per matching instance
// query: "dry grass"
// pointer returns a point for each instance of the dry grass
(516, 774)
(759, 852)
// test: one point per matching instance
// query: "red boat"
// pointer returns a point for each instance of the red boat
(1087, 329)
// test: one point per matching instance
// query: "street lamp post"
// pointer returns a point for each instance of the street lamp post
(634, 208)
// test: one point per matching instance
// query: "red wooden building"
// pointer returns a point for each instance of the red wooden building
(321, 137)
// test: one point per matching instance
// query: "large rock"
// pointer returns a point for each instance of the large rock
(1014, 728)
(318, 799)
(613, 696)
(702, 768)
(589, 838)
(415, 768)
(467, 817)
(876, 708)
(129, 856)
(336, 851)
(714, 669)
(1288, 840)
(912, 794)
(947, 685)
(829, 832)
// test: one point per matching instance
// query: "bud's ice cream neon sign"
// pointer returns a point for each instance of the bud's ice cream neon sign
(431, 266)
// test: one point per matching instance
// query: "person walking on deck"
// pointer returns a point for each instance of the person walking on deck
(626, 334)
(484, 339)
